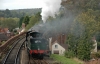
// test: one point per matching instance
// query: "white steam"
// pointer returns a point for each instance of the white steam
(50, 8)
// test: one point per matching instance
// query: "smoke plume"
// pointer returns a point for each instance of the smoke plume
(50, 8)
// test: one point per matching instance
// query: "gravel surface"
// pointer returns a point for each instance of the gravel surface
(24, 57)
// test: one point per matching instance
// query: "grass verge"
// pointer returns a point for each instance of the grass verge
(64, 60)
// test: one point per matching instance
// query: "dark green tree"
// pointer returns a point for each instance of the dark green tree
(20, 22)
(33, 20)
(26, 20)
(8, 13)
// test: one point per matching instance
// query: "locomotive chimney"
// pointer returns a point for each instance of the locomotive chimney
(63, 38)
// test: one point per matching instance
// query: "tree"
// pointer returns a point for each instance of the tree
(9, 23)
(20, 22)
(26, 20)
(8, 13)
(33, 20)
(81, 5)
(83, 29)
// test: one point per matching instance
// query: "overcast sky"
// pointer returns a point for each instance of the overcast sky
(20, 4)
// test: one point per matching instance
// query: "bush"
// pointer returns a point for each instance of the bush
(69, 54)
(95, 55)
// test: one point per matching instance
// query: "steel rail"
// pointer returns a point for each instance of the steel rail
(45, 61)
(11, 50)
(38, 61)
(18, 53)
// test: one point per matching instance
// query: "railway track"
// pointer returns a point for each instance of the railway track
(12, 56)
(37, 61)
(40, 62)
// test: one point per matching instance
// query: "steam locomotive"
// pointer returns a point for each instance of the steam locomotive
(37, 46)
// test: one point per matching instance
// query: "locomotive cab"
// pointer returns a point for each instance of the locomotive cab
(35, 34)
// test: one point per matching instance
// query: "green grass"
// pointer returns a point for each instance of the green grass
(63, 59)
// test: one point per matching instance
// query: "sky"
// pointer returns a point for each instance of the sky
(49, 7)
(20, 4)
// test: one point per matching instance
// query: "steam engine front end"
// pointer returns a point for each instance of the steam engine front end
(37, 46)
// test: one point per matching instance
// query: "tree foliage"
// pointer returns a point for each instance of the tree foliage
(26, 20)
(20, 22)
(85, 26)
(33, 20)
(9, 23)
(18, 12)
(83, 29)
